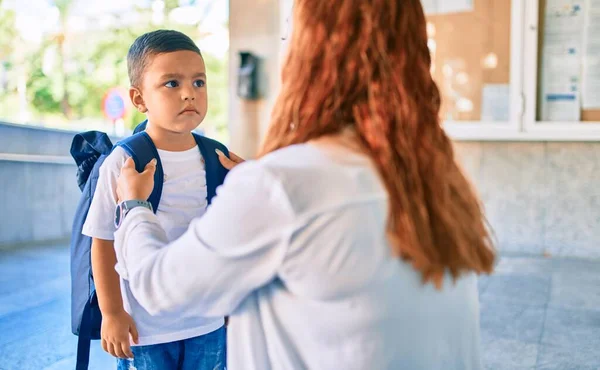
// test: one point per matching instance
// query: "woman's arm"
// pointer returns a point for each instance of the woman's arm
(235, 248)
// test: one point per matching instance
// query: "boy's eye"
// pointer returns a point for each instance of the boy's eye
(171, 84)
(199, 83)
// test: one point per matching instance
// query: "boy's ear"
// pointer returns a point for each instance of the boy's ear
(137, 100)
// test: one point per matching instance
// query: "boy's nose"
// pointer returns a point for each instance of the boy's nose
(187, 93)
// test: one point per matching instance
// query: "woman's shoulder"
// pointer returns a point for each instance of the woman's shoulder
(283, 168)
(297, 153)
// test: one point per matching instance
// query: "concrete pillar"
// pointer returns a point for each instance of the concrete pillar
(254, 26)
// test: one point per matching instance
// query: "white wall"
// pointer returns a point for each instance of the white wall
(540, 197)
(254, 26)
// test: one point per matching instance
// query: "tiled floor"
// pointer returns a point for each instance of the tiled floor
(35, 331)
(539, 313)
(536, 313)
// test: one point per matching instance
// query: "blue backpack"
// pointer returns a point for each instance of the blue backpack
(90, 149)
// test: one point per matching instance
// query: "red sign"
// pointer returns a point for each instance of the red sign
(114, 104)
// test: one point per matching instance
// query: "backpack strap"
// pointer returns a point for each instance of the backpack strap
(85, 334)
(141, 148)
(215, 172)
(140, 127)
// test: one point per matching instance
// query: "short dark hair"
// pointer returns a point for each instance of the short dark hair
(154, 43)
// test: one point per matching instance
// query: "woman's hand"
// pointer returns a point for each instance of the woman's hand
(134, 185)
(230, 162)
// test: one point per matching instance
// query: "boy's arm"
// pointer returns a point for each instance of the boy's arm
(106, 279)
(117, 325)
(223, 256)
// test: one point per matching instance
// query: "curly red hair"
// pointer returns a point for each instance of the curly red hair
(365, 64)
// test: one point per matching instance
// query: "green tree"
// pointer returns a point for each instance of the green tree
(89, 64)
(8, 32)
(64, 7)
(10, 60)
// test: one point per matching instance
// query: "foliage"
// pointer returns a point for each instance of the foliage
(69, 73)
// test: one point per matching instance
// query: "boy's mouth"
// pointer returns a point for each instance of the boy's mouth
(189, 110)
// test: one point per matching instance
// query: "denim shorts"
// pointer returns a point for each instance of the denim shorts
(206, 352)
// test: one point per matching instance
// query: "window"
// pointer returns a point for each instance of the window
(564, 92)
(518, 69)
(470, 48)
(476, 62)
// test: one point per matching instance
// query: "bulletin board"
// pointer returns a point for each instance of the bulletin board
(587, 115)
(472, 50)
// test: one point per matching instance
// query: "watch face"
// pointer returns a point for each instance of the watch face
(118, 215)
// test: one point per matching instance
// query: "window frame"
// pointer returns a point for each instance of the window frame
(524, 126)
(546, 130)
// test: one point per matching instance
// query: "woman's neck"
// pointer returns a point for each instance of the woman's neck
(346, 138)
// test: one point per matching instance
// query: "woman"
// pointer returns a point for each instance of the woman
(354, 241)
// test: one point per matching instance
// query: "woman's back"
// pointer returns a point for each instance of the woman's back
(302, 244)
(341, 300)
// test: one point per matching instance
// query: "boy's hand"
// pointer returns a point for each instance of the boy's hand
(134, 185)
(115, 334)
(230, 162)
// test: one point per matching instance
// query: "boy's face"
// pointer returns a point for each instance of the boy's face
(173, 91)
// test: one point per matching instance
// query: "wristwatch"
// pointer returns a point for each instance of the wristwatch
(124, 207)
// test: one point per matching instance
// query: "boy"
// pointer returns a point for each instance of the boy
(168, 84)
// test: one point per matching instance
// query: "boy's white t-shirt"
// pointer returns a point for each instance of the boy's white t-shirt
(183, 199)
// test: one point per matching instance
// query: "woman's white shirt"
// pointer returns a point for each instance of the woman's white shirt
(293, 248)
